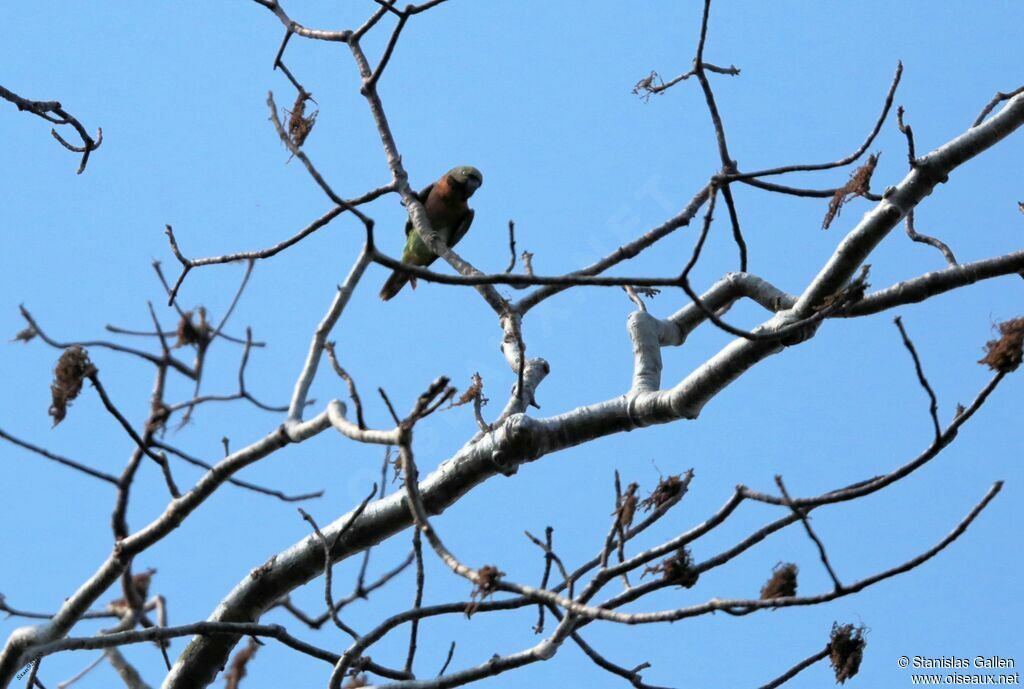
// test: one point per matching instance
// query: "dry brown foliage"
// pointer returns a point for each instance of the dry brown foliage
(487, 580)
(486, 584)
(1004, 354)
(476, 389)
(846, 650)
(852, 292)
(190, 333)
(782, 583)
(235, 673)
(25, 335)
(859, 184)
(299, 126)
(72, 369)
(666, 490)
(677, 569)
(646, 86)
(626, 507)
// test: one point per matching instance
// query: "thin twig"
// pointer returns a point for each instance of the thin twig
(53, 112)
(933, 407)
(32, 681)
(417, 548)
(343, 374)
(797, 669)
(387, 402)
(187, 264)
(95, 473)
(236, 481)
(328, 564)
(810, 532)
(909, 133)
(914, 235)
(842, 162)
(511, 246)
(82, 673)
(143, 445)
(447, 660)
(128, 674)
(996, 100)
(113, 346)
(360, 593)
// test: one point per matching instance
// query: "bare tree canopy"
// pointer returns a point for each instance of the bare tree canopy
(226, 460)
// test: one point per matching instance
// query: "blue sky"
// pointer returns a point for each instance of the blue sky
(537, 95)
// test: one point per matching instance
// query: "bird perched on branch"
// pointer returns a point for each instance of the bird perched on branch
(449, 215)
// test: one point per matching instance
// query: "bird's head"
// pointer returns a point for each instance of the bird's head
(466, 177)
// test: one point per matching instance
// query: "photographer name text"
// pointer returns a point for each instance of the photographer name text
(956, 662)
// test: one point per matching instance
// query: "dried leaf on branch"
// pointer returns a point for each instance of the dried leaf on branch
(846, 650)
(72, 369)
(1004, 355)
(677, 569)
(782, 583)
(859, 185)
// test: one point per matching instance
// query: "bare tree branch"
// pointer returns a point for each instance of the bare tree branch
(53, 112)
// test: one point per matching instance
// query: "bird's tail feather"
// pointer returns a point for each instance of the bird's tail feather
(395, 282)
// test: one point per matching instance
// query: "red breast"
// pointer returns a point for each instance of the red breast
(444, 205)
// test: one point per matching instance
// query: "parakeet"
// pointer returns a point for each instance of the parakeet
(449, 215)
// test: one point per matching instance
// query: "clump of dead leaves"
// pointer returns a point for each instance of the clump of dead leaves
(1005, 354)
(73, 367)
(25, 335)
(667, 490)
(487, 578)
(474, 391)
(299, 126)
(195, 333)
(858, 185)
(782, 583)
(846, 650)
(677, 569)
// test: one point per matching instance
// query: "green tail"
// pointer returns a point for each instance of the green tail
(393, 285)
